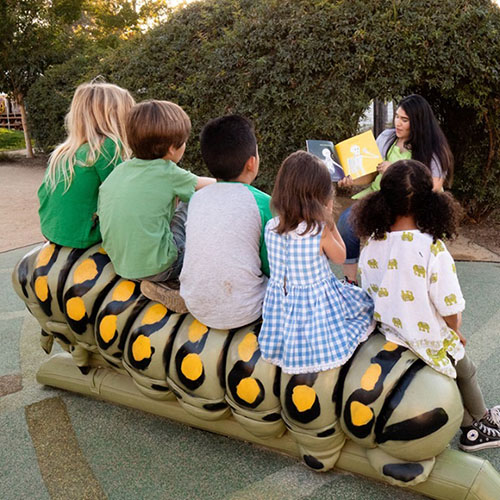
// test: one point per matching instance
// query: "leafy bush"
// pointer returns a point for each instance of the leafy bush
(309, 68)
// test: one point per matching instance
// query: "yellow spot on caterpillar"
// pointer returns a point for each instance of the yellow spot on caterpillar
(141, 349)
(360, 413)
(123, 291)
(192, 367)
(45, 255)
(303, 397)
(371, 376)
(87, 270)
(248, 389)
(390, 346)
(102, 251)
(107, 327)
(75, 307)
(196, 331)
(247, 347)
(155, 313)
(42, 288)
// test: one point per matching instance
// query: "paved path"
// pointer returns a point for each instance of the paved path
(19, 224)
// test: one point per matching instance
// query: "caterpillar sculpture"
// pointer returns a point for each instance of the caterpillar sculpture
(385, 413)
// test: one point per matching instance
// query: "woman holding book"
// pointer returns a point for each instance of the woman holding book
(416, 135)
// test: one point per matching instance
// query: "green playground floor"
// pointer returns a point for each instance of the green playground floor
(55, 444)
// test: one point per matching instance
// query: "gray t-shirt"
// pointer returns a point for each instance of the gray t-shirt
(223, 279)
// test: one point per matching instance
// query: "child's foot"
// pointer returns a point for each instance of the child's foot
(479, 436)
(162, 293)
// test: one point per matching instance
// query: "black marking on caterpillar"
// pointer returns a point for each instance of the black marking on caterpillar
(146, 331)
(190, 348)
(386, 360)
(114, 308)
(306, 416)
(244, 369)
(403, 472)
(221, 361)
(73, 256)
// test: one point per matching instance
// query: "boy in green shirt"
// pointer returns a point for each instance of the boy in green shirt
(142, 230)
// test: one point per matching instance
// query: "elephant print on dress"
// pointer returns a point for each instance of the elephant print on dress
(419, 271)
(407, 295)
(423, 326)
(451, 299)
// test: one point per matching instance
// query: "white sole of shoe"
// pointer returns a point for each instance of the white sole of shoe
(481, 446)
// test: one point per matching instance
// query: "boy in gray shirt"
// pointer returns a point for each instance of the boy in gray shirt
(225, 270)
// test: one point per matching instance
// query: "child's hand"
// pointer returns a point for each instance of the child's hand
(346, 182)
(382, 167)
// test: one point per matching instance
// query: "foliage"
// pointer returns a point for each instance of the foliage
(11, 140)
(309, 68)
(106, 23)
(32, 36)
(99, 28)
(49, 99)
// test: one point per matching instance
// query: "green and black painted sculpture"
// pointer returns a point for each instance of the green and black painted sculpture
(385, 414)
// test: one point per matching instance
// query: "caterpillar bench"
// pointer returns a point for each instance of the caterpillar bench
(385, 414)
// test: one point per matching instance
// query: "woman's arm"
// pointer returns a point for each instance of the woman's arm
(437, 183)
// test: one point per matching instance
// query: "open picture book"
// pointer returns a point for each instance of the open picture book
(357, 156)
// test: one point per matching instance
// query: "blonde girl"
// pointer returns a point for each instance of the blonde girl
(96, 143)
(311, 321)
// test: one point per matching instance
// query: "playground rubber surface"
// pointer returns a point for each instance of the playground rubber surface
(55, 444)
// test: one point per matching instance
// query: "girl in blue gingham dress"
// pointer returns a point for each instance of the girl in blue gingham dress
(311, 321)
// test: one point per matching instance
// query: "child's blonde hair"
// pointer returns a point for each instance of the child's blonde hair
(98, 111)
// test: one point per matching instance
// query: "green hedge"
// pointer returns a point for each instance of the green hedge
(309, 68)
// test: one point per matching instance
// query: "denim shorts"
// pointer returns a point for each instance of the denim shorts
(352, 243)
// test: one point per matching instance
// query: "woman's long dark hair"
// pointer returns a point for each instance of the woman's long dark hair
(406, 189)
(301, 192)
(426, 137)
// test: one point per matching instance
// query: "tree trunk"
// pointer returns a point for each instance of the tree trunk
(27, 137)
(379, 116)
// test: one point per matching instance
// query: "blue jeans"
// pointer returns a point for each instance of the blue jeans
(352, 244)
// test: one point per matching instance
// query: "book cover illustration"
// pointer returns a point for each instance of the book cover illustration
(325, 151)
(359, 155)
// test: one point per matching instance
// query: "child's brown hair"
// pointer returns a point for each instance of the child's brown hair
(154, 126)
(301, 193)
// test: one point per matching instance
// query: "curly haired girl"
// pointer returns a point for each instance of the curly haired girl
(412, 278)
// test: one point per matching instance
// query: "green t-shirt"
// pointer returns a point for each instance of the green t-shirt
(69, 218)
(394, 154)
(136, 206)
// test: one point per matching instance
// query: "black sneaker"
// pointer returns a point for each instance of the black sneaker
(492, 418)
(479, 436)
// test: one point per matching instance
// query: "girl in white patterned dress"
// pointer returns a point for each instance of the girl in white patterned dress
(412, 279)
(311, 321)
